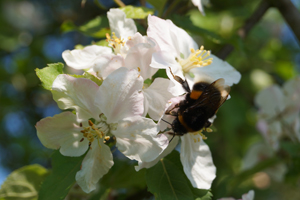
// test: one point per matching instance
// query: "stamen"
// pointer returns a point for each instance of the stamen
(115, 42)
(197, 58)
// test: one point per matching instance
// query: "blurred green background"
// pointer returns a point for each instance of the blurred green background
(34, 33)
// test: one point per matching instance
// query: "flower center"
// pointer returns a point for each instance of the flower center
(95, 131)
(197, 58)
(115, 42)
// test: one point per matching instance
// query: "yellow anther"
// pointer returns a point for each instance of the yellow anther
(139, 69)
(91, 123)
(129, 38)
(107, 36)
(197, 58)
(106, 137)
(203, 136)
(198, 139)
(209, 130)
(195, 140)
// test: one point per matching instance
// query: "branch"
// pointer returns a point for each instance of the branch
(243, 32)
(290, 13)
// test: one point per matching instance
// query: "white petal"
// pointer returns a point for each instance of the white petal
(95, 164)
(166, 152)
(170, 37)
(123, 27)
(248, 196)
(137, 139)
(76, 93)
(164, 60)
(197, 161)
(256, 153)
(120, 95)
(62, 131)
(271, 101)
(271, 132)
(219, 69)
(106, 64)
(292, 91)
(157, 95)
(139, 57)
(198, 3)
(84, 58)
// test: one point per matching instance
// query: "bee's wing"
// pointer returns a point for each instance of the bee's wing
(213, 95)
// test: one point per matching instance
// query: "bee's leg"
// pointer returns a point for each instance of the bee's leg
(173, 134)
(173, 113)
(184, 83)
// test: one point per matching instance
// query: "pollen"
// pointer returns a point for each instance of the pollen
(95, 131)
(197, 58)
(115, 42)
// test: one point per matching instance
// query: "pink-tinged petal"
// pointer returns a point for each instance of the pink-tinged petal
(198, 3)
(62, 131)
(76, 93)
(219, 69)
(84, 58)
(120, 95)
(95, 164)
(197, 161)
(157, 96)
(106, 64)
(271, 132)
(166, 152)
(123, 27)
(170, 38)
(139, 56)
(271, 101)
(137, 139)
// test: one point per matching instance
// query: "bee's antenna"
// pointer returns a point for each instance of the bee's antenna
(166, 122)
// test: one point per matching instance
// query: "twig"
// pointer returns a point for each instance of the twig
(120, 3)
(243, 32)
(290, 13)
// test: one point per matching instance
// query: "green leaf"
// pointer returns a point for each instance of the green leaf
(97, 27)
(48, 74)
(23, 183)
(158, 5)
(123, 175)
(101, 43)
(59, 182)
(136, 12)
(89, 76)
(166, 180)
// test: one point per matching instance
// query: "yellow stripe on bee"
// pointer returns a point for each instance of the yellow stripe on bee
(195, 94)
(181, 120)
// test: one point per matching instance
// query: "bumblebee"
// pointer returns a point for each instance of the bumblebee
(200, 104)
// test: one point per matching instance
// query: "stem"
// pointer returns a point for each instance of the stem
(243, 31)
(120, 3)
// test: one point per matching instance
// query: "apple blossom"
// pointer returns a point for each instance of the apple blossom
(279, 109)
(247, 196)
(110, 112)
(259, 152)
(181, 54)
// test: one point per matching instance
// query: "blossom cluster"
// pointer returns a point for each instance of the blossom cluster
(279, 112)
(127, 108)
